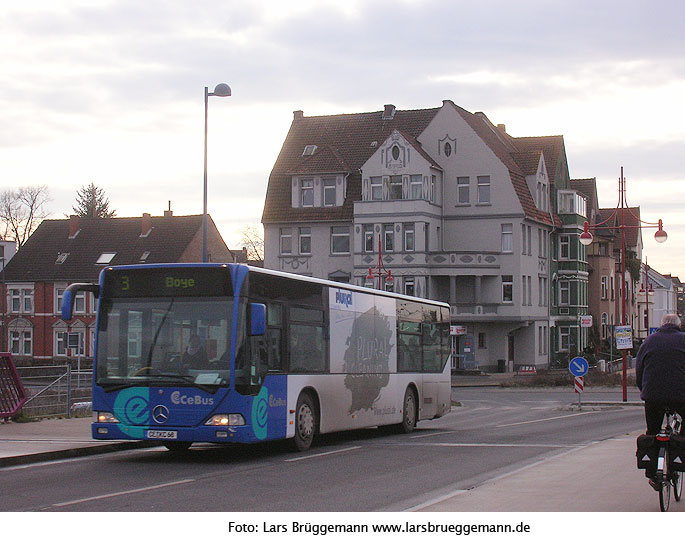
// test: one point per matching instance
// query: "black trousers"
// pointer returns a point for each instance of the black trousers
(654, 414)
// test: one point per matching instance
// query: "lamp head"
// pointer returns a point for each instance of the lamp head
(222, 89)
(586, 236)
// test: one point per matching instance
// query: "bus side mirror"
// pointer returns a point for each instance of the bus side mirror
(257, 319)
(69, 297)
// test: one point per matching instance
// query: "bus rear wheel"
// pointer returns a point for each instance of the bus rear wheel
(306, 422)
(409, 412)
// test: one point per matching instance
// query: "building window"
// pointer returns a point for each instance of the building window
(564, 338)
(368, 238)
(329, 194)
(408, 228)
(305, 240)
(507, 238)
(409, 286)
(507, 289)
(416, 187)
(564, 292)
(79, 301)
(388, 237)
(60, 344)
(463, 190)
(376, 187)
(483, 189)
(21, 342)
(20, 300)
(286, 241)
(340, 240)
(605, 287)
(481, 340)
(306, 192)
(604, 323)
(395, 187)
(564, 247)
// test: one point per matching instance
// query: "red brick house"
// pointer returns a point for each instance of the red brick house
(64, 251)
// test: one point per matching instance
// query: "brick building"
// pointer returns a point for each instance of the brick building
(65, 251)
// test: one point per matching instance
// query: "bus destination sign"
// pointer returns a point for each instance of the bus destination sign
(169, 281)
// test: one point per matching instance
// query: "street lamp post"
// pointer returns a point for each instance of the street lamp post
(586, 239)
(379, 272)
(222, 89)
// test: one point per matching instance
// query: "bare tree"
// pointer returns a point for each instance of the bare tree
(21, 211)
(253, 240)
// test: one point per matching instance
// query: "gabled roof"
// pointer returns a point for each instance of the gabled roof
(345, 142)
(37, 260)
(324, 160)
(353, 138)
(551, 146)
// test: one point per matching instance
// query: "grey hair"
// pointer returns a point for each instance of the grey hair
(671, 318)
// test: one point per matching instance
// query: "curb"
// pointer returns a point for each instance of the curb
(73, 453)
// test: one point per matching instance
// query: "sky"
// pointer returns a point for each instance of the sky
(112, 92)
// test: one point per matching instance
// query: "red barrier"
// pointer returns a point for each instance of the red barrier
(12, 393)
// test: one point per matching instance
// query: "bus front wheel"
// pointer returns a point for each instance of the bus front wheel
(177, 446)
(305, 422)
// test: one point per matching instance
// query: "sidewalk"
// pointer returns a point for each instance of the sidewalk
(52, 439)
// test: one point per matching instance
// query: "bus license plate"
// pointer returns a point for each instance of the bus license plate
(162, 434)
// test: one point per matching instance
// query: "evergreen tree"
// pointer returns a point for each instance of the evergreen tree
(92, 202)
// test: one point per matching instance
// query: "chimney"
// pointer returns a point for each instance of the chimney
(146, 225)
(298, 115)
(502, 128)
(168, 212)
(388, 112)
(74, 229)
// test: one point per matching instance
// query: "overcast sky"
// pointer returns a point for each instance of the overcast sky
(112, 92)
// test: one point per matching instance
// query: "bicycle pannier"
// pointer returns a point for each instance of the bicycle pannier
(647, 452)
(676, 453)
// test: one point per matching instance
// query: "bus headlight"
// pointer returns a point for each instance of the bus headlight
(234, 419)
(103, 416)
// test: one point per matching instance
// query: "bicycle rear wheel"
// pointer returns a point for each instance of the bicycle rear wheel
(663, 475)
(677, 480)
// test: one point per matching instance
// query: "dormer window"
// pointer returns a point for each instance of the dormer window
(309, 150)
(105, 258)
(306, 192)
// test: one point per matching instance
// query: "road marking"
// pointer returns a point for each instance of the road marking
(321, 454)
(431, 434)
(545, 420)
(123, 493)
(524, 445)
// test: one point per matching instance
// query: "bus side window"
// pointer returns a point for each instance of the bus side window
(274, 336)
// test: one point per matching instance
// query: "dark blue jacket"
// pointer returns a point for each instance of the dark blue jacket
(660, 370)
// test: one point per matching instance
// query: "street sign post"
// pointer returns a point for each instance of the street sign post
(578, 367)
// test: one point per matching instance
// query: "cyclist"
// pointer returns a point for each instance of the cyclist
(660, 374)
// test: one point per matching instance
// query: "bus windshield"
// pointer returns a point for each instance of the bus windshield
(180, 341)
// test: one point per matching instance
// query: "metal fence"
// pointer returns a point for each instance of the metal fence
(56, 390)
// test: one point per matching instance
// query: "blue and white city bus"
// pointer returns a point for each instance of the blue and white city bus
(227, 353)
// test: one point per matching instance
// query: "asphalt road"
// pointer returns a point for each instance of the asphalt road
(492, 432)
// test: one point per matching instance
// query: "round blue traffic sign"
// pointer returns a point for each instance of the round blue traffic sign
(578, 366)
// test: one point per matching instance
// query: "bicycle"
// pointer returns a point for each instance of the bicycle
(666, 477)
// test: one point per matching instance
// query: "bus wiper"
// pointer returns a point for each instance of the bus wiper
(210, 389)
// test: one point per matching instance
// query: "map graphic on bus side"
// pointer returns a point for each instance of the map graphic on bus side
(363, 328)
